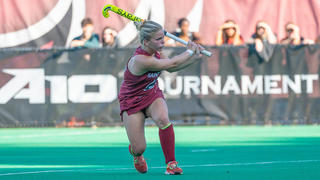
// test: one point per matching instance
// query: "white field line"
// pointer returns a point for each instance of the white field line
(60, 134)
(183, 166)
(38, 172)
(203, 150)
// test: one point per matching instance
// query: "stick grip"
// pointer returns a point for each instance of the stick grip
(205, 52)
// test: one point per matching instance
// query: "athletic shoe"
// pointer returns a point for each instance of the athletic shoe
(140, 164)
(173, 169)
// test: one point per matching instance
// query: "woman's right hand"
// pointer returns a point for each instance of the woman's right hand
(192, 46)
(199, 48)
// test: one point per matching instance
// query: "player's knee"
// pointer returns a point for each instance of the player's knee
(163, 121)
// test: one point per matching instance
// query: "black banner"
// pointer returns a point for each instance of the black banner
(79, 87)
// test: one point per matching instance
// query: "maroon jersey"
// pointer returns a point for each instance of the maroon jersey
(138, 92)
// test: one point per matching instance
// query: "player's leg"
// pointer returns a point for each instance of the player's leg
(134, 125)
(158, 111)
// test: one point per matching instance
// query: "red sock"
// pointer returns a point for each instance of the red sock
(167, 143)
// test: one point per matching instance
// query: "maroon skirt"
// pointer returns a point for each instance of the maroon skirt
(135, 104)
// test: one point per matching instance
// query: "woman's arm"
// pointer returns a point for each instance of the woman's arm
(141, 64)
(77, 43)
(181, 66)
(271, 37)
(219, 38)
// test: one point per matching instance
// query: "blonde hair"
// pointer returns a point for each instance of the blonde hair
(147, 29)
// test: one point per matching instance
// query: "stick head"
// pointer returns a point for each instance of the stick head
(105, 10)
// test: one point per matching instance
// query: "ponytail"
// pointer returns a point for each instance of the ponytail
(147, 29)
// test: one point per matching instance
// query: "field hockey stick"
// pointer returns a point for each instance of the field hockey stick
(132, 17)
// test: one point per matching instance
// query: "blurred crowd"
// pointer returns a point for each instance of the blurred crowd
(91, 40)
(228, 34)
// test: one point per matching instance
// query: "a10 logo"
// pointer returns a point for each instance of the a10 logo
(30, 84)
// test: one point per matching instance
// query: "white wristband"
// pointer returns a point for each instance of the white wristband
(190, 52)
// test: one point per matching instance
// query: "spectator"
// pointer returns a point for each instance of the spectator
(184, 33)
(109, 37)
(263, 34)
(229, 33)
(88, 38)
(262, 40)
(293, 35)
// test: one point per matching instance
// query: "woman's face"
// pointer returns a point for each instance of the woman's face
(157, 41)
(185, 27)
(108, 36)
(260, 31)
(290, 28)
(230, 31)
(88, 30)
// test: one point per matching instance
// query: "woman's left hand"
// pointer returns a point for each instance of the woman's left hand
(198, 50)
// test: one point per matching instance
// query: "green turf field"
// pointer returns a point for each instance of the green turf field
(248, 152)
